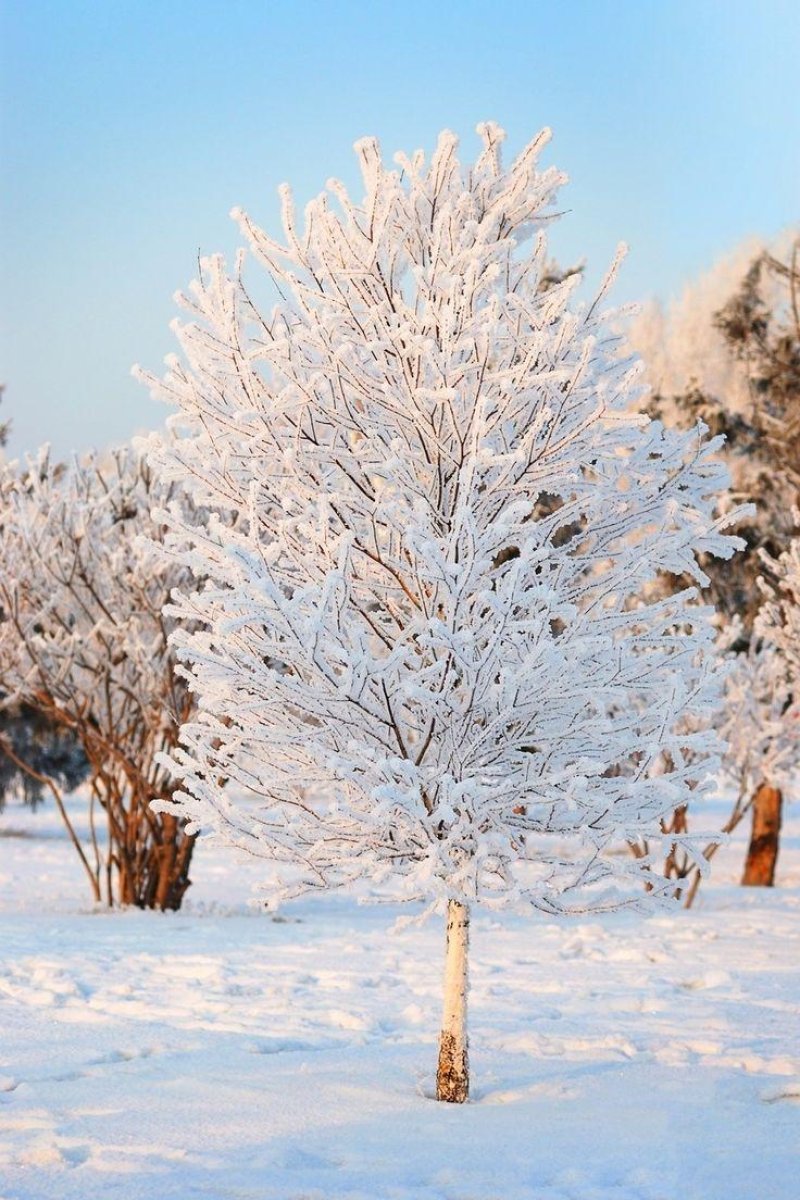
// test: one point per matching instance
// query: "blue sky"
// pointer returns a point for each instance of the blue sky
(131, 127)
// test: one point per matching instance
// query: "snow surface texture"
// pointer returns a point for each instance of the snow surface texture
(219, 1053)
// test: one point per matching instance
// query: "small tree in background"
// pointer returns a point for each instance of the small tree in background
(778, 628)
(422, 649)
(83, 644)
(729, 354)
(759, 721)
(33, 751)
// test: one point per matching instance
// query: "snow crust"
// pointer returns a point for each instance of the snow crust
(221, 1053)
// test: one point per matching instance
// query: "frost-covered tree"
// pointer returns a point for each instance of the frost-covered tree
(758, 718)
(771, 752)
(422, 649)
(728, 352)
(28, 740)
(83, 643)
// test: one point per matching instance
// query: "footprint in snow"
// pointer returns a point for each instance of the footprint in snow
(711, 979)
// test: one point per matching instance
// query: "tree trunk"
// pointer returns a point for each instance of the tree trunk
(677, 864)
(152, 862)
(174, 856)
(762, 853)
(452, 1076)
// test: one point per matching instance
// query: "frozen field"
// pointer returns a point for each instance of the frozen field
(217, 1053)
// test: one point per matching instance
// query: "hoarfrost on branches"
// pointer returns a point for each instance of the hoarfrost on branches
(759, 719)
(728, 352)
(84, 643)
(426, 646)
(777, 702)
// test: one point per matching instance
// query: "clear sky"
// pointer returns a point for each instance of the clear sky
(131, 127)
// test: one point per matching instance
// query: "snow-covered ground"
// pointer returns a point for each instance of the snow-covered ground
(218, 1053)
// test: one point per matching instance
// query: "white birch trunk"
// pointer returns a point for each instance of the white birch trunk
(452, 1077)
